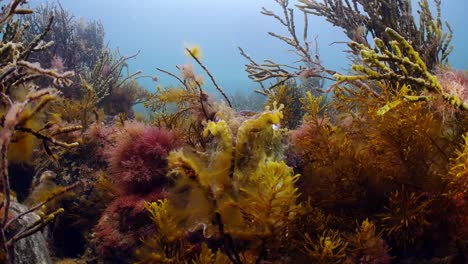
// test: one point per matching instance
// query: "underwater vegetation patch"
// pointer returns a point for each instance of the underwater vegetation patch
(372, 168)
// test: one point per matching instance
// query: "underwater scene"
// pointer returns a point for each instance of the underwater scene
(248, 131)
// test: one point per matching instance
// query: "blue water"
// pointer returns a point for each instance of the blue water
(160, 30)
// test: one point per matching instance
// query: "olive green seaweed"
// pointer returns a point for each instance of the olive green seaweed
(400, 64)
(360, 19)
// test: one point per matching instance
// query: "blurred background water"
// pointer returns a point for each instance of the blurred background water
(161, 29)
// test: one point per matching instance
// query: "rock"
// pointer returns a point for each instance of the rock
(31, 249)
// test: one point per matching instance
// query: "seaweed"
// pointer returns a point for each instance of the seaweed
(369, 170)
(22, 101)
(361, 18)
(237, 191)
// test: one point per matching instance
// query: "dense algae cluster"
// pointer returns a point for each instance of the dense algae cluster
(373, 169)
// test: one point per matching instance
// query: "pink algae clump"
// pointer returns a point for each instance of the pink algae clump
(138, 159)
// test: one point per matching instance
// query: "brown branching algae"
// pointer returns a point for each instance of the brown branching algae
(372, 169)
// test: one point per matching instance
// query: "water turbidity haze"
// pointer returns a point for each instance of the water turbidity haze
(161, 29)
